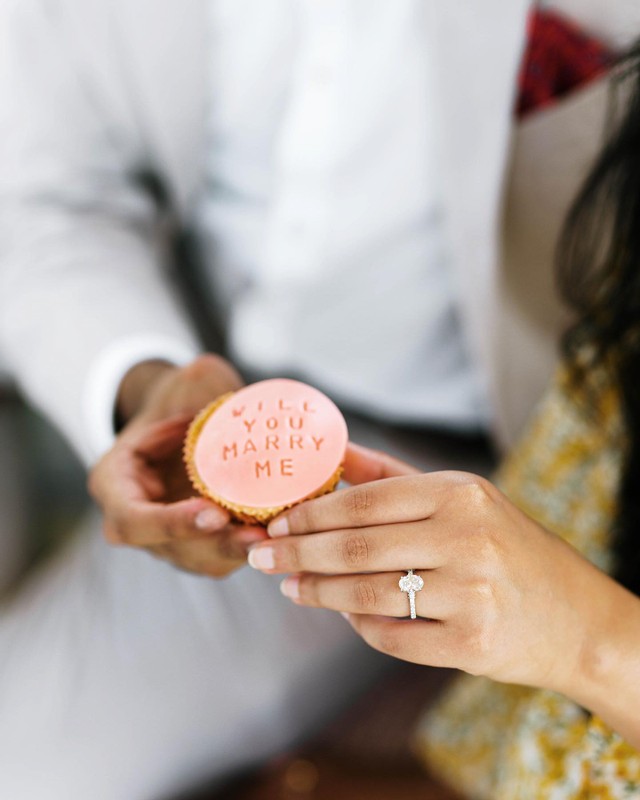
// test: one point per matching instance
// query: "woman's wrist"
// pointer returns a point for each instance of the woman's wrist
(605, 679)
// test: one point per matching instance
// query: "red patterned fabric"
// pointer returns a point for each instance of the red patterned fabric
(559, 58)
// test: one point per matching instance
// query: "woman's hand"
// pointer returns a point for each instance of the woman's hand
(502, 596)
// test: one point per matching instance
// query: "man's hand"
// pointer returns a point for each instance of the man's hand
(141, 484)
(155, 390)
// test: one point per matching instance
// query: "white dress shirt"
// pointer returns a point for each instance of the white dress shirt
(321, 217)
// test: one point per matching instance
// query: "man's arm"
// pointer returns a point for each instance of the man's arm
(83, 300)
(80, 263)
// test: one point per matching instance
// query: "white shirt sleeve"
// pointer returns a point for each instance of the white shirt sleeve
(83, 292)
(106, 373)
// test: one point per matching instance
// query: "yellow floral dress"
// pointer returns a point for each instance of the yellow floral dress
(493, 741)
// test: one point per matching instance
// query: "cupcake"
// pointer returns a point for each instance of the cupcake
(266, 447)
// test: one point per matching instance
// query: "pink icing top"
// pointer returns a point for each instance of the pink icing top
(271, 444)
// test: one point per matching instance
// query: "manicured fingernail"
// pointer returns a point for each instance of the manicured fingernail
(290, 587)
(278, 527)
(210, 519)
(262, 558)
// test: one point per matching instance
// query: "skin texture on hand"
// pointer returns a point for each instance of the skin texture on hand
(155, 390)
(502, 596)
(141, 484)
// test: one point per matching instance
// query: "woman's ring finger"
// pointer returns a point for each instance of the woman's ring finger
(373, 593)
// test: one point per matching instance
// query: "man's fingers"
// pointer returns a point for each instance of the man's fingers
(126, 473)
(152, 485)
(214, 556)
(157, 440)
(130, 488)
(142, 523)
(363, 465)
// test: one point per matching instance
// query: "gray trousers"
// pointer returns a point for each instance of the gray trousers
(122, 678)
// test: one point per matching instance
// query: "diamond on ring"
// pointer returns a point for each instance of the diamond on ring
(411, 583)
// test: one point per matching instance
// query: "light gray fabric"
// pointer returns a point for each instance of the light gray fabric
(124, 679)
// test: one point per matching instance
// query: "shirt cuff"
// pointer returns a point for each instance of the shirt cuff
(106, 373)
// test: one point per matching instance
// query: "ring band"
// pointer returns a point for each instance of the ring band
(411, 583)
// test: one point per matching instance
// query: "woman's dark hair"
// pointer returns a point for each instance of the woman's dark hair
(598, 271)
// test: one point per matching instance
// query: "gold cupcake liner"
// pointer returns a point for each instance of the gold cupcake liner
(260, 516)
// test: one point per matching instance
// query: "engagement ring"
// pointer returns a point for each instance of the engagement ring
(411, 583)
